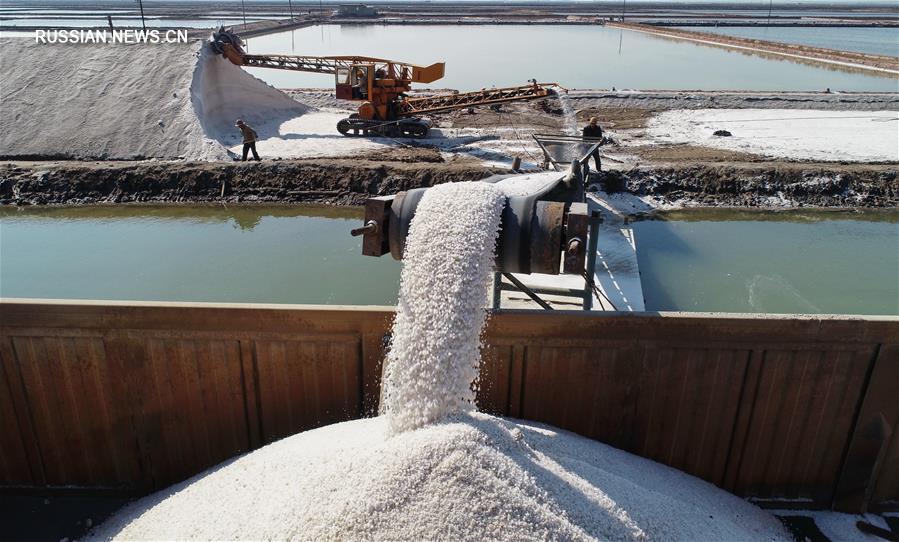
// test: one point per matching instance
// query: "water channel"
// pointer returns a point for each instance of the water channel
(818, 262)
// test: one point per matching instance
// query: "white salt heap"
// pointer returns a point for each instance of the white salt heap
(129, 102)
(473, 477)
(432, 468)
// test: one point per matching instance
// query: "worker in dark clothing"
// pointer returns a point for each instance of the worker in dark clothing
(249, 140)
(593, 132)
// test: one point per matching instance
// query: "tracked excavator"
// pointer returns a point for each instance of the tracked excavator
(381, 86)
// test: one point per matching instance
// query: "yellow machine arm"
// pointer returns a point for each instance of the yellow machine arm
(230, 46)
(331, 64)
(409, 107)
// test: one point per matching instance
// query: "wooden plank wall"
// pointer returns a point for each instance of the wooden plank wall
(136, 398)
(130, 398)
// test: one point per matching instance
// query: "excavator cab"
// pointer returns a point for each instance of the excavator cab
(353, 82)
(343, 87)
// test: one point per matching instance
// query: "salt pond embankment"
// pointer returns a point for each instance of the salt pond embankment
(345, 182)
(876, 63)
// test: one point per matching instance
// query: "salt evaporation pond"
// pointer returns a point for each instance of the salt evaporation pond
(430, 467)
(877, 41)
(480, 56)
(692, 261)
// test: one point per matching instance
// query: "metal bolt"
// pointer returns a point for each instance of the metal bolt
(574, 246)
(370, 227)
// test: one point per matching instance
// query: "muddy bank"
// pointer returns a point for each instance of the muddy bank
(793, 185)
(350, 182)
(336, 182)
(665, 100)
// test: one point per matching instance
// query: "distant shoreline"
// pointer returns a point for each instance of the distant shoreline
(883, 65)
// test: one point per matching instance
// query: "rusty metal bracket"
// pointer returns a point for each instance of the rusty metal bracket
(546, 237)
(577, 227)
(374, 232)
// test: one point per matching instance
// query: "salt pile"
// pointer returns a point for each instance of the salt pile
(432, 468)
(223, 92)
(471, 477)
(128, 101)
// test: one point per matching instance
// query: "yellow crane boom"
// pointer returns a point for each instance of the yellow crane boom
(331, 65)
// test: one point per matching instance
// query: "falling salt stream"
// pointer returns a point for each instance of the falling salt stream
(433, 467)
(433, 357)
(570, 119)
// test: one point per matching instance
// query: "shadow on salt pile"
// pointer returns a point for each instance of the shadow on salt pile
(221, 93)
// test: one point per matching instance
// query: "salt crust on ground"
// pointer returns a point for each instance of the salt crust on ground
(786, 133)
(474, 477)
(312, 135)
(315, 135)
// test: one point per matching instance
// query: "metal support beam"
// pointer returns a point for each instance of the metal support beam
(527, 291)
(297, 63)
(590, 271)
(568, 292)
(459, 100)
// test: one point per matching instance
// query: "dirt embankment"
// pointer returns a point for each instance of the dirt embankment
(351, 182)
(789, 185)
(651, 101)
(887, 64)
(337, 182)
